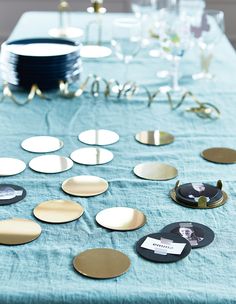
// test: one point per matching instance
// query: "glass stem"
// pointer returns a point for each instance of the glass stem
(206, 59)
(175, 79)
(126, 70)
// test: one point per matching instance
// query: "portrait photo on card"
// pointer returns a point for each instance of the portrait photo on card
(194, 235)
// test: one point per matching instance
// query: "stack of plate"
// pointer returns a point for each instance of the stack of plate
(41, 61)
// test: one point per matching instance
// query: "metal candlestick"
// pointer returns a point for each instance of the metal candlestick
(65, 30)
(95, 50)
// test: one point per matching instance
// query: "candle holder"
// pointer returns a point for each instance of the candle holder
(94, 48)
(65, 30)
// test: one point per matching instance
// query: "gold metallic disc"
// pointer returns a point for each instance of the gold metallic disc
(18, 231)
(42, 144)
(121, 218)
(154, 138)
(58, 211)
(85, 185)
(220, 155)
(101, 263)
(218, 203)
(155, 171)
(51, 164)
(11, 166)
(91, 156)
(98, 137)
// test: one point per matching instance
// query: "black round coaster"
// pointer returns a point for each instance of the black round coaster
(190, 193)
(169, 258)
(11, 194)
(197, 234)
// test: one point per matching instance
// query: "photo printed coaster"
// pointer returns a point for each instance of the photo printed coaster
(163, 247)
(197, 234)
(11, 194)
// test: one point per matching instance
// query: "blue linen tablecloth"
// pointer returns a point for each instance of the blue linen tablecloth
(42, 271)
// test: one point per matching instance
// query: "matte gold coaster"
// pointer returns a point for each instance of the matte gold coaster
(50, 164)
(101, 263)
(154, 138)
(58, 211)
(18, 231)
(98, 137)
(42, 144)
(155, 171)
(91, 156)
(11, 166)
(220, 155)
(85, 185)
(121, 218)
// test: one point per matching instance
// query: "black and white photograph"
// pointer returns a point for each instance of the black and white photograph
(10, 194)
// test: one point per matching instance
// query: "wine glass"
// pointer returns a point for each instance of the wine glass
(208, 34)
(175, 40)
(166, 11)
(143, 9)
(126, 40)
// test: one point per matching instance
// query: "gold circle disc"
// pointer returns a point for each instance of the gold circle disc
(98, 137)
(91, 156)
(154, 138)
(121, 218)
(50, 164)
(155, 171)
(11, 166)
(58, 211)
(101, 263)
(42, 144)
(85, 185)
(18, 231)
(220, 155)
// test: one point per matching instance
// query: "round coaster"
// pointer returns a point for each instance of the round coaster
(198, 235)
(98, 137)
(58, 211)
(198, 195)
(191, 192)
(121, 218)
(50, 164)
(159, 258)
(11, 194)
(85, 185)
(155, 171)
(42, 144)
(11, 166)
(101, 263)
(220, 155)
(154, 138)
(95, 51)
(91, 156)
(18, 231)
